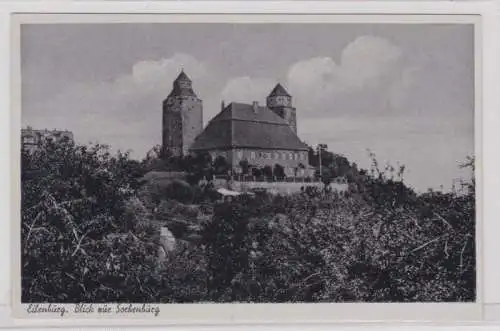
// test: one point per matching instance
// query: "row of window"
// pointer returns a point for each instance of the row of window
(34, 140)
(275, 156)
(267, 155)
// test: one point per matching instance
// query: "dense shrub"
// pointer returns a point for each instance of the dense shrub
(90, 233)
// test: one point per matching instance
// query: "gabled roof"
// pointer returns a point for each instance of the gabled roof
(242, 125)
(245, 112)
(279, 90)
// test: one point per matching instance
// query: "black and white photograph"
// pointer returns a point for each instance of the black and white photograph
(226, 162)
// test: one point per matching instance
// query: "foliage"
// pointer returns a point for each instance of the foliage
(81, 232)
(278, 171)
(332, 165)
(221, 166)
(245, 167)
(256, 172)
(267, 171)
(90, 233)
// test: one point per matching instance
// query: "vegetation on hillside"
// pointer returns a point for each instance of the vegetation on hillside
(91, 233)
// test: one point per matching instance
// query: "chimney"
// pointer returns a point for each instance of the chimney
(222, 105)
(255, 106)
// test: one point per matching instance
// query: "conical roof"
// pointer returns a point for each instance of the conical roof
(279, 90)
(183, 77)
(182, 86)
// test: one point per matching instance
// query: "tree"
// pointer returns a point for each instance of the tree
(225, 238)
(256, 172)
(220, 166)
(81, 240)
(279, 171)
(313, 157)
(90, 234)
(327, 176)
(200, 167)
(470, 162)
(245, 167)
(267, 171)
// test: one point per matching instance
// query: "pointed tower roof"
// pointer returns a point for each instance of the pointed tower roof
(183, 77)
(279, 90)
(182, 86)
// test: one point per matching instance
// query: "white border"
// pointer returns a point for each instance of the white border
(491, 121)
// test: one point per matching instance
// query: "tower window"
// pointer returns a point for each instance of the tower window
(252, 155)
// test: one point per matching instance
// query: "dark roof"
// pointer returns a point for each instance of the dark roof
(238, 125)
(245, 112)
(182, 86)
(183, 76)
(279, 90)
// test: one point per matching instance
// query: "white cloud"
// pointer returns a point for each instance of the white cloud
(367, 65)
(371, 77)
(369, 71)
(165, 70)
(246, 89)
(349, 106)
(314, 77)
(124, 113)
(367, 60)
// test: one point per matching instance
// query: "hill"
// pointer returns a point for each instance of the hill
(91, 233)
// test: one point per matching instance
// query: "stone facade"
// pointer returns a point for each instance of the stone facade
(182, 117)
(31, 138)
(280, 102)
(261, 135)
(295, 163)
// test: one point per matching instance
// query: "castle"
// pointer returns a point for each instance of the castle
(260, 135)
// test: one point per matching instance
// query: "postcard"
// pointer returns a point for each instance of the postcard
(246, 168)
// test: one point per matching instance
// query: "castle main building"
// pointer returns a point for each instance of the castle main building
(261, 135)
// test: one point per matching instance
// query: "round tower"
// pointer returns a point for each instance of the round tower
(280, 102)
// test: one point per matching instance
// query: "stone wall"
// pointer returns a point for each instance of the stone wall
(192, 121)
(281, 187)
(172, 132)
(182, 123)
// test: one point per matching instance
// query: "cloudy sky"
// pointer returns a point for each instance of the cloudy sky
(403, 91)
